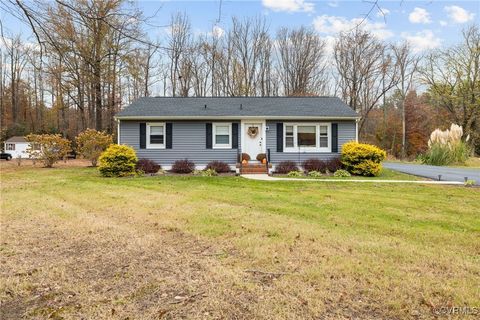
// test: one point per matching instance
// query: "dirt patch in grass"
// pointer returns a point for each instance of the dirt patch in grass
(53, 269)
(6, 166)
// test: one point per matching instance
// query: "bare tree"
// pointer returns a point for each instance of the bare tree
(362, 62)
(148, 66)
(301, 58)
(179, 41)
(17, 54)
(453, 79)
(86, 39)
(407, 66)
(201, 68)
(247, 45)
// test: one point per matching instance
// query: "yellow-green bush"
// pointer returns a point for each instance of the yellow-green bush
(48, 148)
(362, 159)
(117, 161)
(91, 143)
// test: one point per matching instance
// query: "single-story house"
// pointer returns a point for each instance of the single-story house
(204, 129)
(17, 147)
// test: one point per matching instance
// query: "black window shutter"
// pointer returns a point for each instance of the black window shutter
(234, 135)
(209, 135)
(143, 135)
(279, 137)
(335, 137)
(168, 131)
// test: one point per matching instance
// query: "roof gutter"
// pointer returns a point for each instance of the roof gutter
(235, 117)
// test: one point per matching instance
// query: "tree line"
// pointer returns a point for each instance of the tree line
(88, 59)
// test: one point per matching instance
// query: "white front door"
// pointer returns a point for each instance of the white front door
(253, 140)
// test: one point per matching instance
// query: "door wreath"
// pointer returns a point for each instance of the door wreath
(252, 132)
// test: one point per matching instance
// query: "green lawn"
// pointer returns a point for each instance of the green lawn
(74, 244)
(385, 174)
(472, 162)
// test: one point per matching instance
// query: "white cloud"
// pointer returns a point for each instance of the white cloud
(419, 15)
(333, 4)
(333, 24)
(383, 12)
(423, 40)
(217, 32)
(458, 14)
(289, 5)
(329, 44)
(443, 23)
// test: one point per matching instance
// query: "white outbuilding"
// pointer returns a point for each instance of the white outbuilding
(17, 147)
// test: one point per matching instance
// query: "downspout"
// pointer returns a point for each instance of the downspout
(118, 131)
(356, 130)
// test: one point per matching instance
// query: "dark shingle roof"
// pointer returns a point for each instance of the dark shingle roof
(237, 107)
(16, 139)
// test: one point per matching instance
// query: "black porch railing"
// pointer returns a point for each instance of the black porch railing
(239, 158)
(267, 163)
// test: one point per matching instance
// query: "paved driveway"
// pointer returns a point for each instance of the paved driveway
(432, 172)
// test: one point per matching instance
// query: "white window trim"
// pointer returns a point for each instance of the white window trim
(317, 148)
(214, 134)
(8, 144)
(156, 145)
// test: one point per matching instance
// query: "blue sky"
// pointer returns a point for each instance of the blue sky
(426, 24)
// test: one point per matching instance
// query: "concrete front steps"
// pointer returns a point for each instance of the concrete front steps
(253, 168)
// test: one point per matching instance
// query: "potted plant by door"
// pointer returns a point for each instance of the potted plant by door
(245, 158)
(262, 157)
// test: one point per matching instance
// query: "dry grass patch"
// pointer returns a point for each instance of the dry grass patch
(75, 245)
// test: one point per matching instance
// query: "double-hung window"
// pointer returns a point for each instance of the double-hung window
(324, 130)
(307, 137)
(10, 147)
(289, 137)
(156, 135)
(222, 135)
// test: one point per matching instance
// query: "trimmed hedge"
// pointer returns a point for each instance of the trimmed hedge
(183, 166)
(285, 167)
(117, 161)
(334, 164)
(218, 166)
(362, 159)
(314, 164)
(147, 166)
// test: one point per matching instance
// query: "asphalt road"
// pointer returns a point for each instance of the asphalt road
(432, 172)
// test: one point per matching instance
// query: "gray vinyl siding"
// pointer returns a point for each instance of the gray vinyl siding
(346, 133)
(188, 142)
